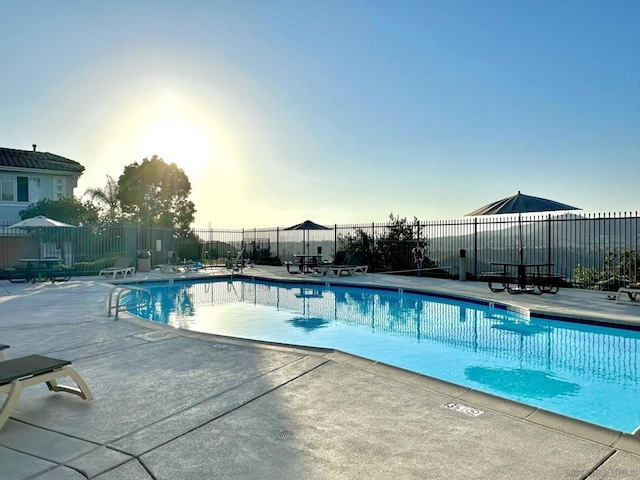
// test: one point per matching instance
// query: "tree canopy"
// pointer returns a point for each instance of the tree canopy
(391, 249)
(156, 193)
(66, 209)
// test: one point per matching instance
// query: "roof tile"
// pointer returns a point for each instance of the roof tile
(37, 160)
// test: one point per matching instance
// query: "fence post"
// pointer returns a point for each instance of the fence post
(475, 248)
(549, 224)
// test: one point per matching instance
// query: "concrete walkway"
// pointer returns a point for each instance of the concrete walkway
(173, 404)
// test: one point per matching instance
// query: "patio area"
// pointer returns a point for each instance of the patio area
(174, 404)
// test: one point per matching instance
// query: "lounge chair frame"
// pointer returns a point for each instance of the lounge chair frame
(350, 267)
(23, 372)
(349, 270)
(340, 259)
(122, 266)
(177, 267)
(631, 291)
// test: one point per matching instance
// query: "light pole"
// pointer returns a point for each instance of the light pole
(147, 197)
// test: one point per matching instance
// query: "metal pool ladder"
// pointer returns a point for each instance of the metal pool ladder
(140, 297)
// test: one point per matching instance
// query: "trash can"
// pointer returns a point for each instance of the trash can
(462, 266)
(144, 261)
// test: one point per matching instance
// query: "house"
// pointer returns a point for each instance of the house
(27, 176)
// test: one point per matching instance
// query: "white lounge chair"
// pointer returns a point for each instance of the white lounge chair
(340, 259)
(23, 372)
(122, 266)
(632, 290)
(182, 267)
(349, 270)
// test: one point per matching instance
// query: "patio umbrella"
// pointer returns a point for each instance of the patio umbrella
(39, 222)
(305, 227)
(35, 224)
(520, 204)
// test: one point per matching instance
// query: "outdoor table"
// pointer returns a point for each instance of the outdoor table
(47, 262)
(307, 261)
(43, 268)
(528, 275)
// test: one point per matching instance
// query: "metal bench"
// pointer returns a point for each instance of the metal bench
(547, 282)
(17, 275)
(498, 277)
(290, 265)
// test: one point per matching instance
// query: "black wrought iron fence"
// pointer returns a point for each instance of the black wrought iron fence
(591, 251)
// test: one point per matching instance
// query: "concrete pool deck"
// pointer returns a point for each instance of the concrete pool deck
(174, 404)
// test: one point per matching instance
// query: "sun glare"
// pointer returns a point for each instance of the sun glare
(177, 141)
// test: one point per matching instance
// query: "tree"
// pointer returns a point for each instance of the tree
(399, 229)
(618, 270)
(107, 196)
(66, 209)
(156, 193)
(390, 251)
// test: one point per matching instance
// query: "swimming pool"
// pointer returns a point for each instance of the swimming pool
(583, 371)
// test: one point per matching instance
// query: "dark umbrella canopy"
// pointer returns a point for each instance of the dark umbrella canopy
(520, 204)
(306, 226)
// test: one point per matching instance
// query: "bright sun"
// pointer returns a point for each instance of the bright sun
(177, 141)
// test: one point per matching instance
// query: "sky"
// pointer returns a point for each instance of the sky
(336, 111)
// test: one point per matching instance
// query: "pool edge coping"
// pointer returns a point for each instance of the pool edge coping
(608, 437)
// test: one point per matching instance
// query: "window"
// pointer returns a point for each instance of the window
(34, 189)
(7, 185)
(28, 189)
(59, 187)
(20, 189)
(23, 189)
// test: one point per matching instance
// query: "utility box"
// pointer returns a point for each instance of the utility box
(144, 261)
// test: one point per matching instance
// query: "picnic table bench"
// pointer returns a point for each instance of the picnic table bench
(501, 278)
(35, 270)
(547, 282)
(528, 278)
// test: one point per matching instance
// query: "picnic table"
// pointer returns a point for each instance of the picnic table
(41, 269)
(523, 278)
(306, 262)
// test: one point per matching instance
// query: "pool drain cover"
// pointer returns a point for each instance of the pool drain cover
(472, 412)
(286, 435)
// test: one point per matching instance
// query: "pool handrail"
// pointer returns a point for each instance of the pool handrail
(122, 289)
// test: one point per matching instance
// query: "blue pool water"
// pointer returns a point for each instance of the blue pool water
(583, 371)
